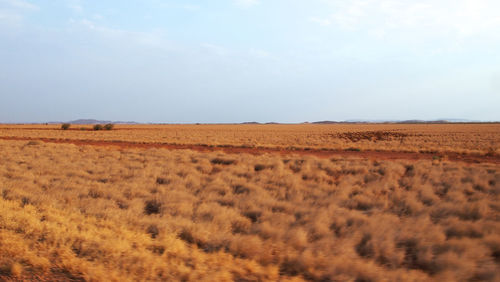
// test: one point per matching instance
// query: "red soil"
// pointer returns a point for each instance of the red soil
(322, 153)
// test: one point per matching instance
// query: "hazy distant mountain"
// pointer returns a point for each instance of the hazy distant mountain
(421, 121)
(459, 120)
(250, 122)
(325, 122)
(352, 121)
(450, 120)
(397, 121)
(349, 121)
(95, 121)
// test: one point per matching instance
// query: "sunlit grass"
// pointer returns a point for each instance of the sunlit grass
(481, 139)
(93, 213)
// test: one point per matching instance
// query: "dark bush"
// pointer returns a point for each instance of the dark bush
(239, 189)
(65, 126)
(33, 143)
(259, 167)
(109, 126)
(221, 161)
(152, 207)
(93, 193)
(161, 180)
(122, 204)
(253, 215)
(153, 231)
(97, 127)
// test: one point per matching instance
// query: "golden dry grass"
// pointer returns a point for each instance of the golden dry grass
(461, 138)
(90, 213)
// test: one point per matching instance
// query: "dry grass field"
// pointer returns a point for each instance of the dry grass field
(460, 138)
(111, 211)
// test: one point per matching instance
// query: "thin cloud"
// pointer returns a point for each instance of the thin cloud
(154, 39)
(246, 3)
(461, 18)
(13, 12)
(19, 4)
(75, 5)
(98, 17)
(9, 17)
(192, 7)
(216, 49)
(259, 53)
(320, 21)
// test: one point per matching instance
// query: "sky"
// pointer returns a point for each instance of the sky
(224, 61)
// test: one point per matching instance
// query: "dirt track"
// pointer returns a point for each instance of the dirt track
(322, 153)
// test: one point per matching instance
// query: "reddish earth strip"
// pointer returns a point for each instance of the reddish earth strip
(322, 153)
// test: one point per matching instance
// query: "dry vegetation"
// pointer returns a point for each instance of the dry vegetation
(92, 213)
(462, 138)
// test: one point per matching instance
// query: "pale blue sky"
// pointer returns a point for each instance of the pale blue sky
(249, 60)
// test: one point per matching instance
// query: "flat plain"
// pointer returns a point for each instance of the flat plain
(342, 202)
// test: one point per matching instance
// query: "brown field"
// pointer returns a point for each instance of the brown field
(460, 138)
(388, 202)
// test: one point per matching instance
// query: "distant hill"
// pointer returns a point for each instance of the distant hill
(93, 121)
(423, 121)
(351, 121)
(438, 121)
(326, 122)
(250, 122)
(399, 121)
(88, 121)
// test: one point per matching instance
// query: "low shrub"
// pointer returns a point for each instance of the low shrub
(109, 126)
(221, 161)
(152, 207)
(153, 231)
(97, 127)
(65, 126)
(33, 143)
(161, 180)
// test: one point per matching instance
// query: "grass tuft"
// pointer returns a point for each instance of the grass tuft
(152, 207)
